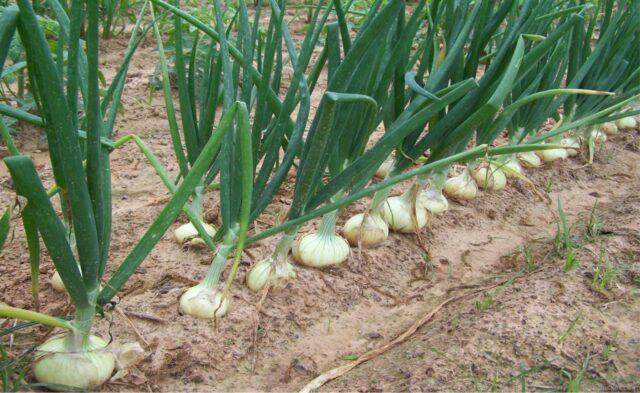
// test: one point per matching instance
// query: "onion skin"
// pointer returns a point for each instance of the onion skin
(268, 271)
(56, 364)
(433, 200)
(490, 178)
(385, 168)
(373, 233)
(202, 302)
(627, 123)
(609, 128)
(529, 159)
(552, 155)
(461, 187)
(56, 283)
(396, 212)
(513, 166)
(187, 232)
(573, 143)
(317, 250)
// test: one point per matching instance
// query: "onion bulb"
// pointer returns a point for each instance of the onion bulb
(320, 250)
(609, 128)
(627, 123)
(461, 187)
(573, 145)
(490, 178)
(385, 168)
(552, 155)
(57, 363)
(433, 200)
(56, 282)
(512, 167)
(598, 136)
(268, 271)
(370, 233)
(203, 302)
(529, 159)
(397, 212)
(187, 232)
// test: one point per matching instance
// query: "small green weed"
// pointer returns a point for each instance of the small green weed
(604, 272)
(574, 384)
(594, 225)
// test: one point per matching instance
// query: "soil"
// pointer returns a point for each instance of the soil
(541, 327)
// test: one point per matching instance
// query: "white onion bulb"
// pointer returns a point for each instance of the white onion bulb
(512, 167)
(552, 155)
(385, 168)
(56, 282)
(433, 200)
(203, 302)
(396, 211)
(371, 233)
(573, 144)
(461, 187)
(598, 136)
(320, 250)
(529, 159)
(268, 271)
(87, 369)
(188, 232)
(627, 123)
(490, 178)
(609, 128)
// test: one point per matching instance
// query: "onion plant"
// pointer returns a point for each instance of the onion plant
(76, 357)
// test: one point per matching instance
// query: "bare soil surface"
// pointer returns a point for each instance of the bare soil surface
(539, 328)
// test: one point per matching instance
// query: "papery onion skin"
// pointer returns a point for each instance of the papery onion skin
(609, 128)
(461, 187)
(490, 178)
(571, 143)
(203, 302)
(552, 155)
(318, 250)
(513, 167)
(373, 233)
(385, 168)
(396, 212)
(56, 364)
(267, 271)
(56, 282)
(433, 200)
(529, 159)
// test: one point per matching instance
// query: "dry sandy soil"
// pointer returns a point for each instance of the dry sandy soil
(540, 327)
